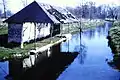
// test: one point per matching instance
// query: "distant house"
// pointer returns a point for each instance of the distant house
(36, 21)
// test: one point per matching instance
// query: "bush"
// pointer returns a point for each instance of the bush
(116, 23)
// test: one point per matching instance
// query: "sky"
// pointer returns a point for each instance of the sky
(16, 5)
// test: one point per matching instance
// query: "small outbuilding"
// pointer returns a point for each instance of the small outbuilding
(37, 20)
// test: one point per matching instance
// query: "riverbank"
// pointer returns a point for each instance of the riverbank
(12, 50)
(114, 43)
(91, 63)
(83, 25)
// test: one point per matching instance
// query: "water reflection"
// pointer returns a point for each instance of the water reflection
(93, 52)
(3, 69)
(75, 45)
(50, 68)
(82, 49)
(98, 32)
(79, 41)
(46, 68)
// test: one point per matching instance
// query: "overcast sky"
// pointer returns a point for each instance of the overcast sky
(16, 5)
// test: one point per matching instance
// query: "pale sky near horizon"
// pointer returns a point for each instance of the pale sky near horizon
(16, 5)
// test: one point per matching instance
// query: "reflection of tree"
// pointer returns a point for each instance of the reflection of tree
(91, 33)
(99, 30)
(82, 50)
(103, 30)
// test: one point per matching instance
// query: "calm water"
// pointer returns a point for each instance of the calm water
(3, 70)
(90, 64)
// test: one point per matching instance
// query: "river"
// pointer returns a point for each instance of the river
(91, 63)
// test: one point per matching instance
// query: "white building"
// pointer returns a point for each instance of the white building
(36, 21)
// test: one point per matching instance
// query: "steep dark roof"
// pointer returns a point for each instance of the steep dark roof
(31, 13)
(41, 13)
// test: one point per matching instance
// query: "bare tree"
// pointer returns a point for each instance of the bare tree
(118, 14)
(24, 2)
(91, 4)
(4, 7)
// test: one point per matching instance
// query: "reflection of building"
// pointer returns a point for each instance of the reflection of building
(36, 21)
(43, 64)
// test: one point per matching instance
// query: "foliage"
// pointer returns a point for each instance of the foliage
(7, 53)
(114, 33)
(116, 24)
(114, 42)
(3, 29)
(89, 10)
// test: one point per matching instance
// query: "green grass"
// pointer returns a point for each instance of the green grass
(3, 29)
(85, 24)
(10, 53)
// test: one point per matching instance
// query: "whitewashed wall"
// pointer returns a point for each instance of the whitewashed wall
(26, 32)
(42, 30)
(14, 32)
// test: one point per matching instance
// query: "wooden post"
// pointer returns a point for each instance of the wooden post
(80, 35)
(35, 36)
(21, 44)
(61, 29)
(68, 40)
(51, 33)
(48, 52)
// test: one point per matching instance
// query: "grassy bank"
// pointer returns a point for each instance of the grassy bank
(84, 25)
(114, 42)
(10, 50)
(13, 50)
(3, 28)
